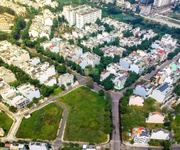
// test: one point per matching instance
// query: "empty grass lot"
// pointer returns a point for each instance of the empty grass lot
(5, 122)
(85, 119)
(43, 123)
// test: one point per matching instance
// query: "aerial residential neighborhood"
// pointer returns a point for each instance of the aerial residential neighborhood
(89, 74)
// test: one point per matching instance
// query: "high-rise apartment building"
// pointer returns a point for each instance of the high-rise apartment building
(161, 3)
(119, 2)
(109, 1)
(81, 15)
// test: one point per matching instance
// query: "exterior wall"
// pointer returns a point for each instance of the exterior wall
(55, 49)
(161, 3)
(83, 64)
(157, 95)
(25, 57)
(135, 68)
(51, 71)
(125, 65)
(43, 78)
(51, 82)
(79, 52)
(35, 61)
(66, 78)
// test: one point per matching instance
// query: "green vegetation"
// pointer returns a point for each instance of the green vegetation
(176, 127)
(132, 78)
(24, 78)
(172, 54)
(43, 123)
(57, 91)
(177, 90)
(89, 116)
(6, 9)
(5, 122)
(165, 144)
(70, 146)
(134, 116)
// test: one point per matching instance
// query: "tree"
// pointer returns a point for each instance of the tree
(101, 92)
(131, 79)
(115, 42)
(63, 87)
(90, 83)
(35, 100)
(13, 109)
(177, 90)
(71, 41)
(108, 84)
(127, 33)
(30, 105)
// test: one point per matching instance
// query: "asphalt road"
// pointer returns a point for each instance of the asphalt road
(149, 75)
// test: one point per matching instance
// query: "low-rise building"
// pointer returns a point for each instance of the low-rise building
(162, 92)
(136, 62)
(13, 54)
(52, 45)
(136, 100)
(38, 146)
(29, 91)
(7, 75)
(41, 25)
(14, 98)
(20, 10)
(160, 134)
(6, 22)
(119, 80)
(143, 89)
(66, 80)
(89, 147)
(89, 59)
(140, 135)
(70, 52)
(120, 75)
(170, 74)
(155, 117)
(104, 75)
(111, 51)
(16, 146)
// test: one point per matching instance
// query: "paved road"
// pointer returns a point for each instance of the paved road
(116, 135)
(149, 75)
(58, 142)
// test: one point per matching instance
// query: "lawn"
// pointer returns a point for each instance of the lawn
(86, 118)
(5, 122)
(43, 124)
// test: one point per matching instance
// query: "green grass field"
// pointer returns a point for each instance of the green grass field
(85, 120)
(43, 123)
(5, 122)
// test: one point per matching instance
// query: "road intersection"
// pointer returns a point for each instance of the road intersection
(115, 141)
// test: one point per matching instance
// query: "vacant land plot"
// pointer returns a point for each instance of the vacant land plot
(5, 122)
(86, 118)
(43, 123)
